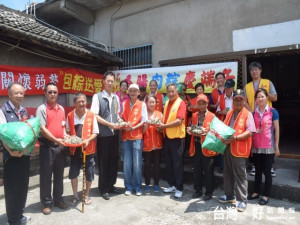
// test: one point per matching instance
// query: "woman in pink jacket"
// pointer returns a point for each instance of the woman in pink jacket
(265, 144)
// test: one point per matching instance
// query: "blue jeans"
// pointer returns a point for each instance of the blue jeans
(133, 164)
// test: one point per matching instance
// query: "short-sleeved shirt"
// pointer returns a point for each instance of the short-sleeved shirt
(78, 123)
(211, 102)
(250, 125)
(53, 118)
(228, 103)
(275, 116)
(255, 85)
(180, 113)
(144, 111)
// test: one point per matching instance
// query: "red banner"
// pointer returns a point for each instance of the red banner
(34, 79)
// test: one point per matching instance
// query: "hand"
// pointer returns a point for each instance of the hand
(60, 142)
(86, 142)
(277, 152)
(114, 126)
(14, 153)
(146, 125)
(129, 129)
(224, 112)
(228, 141)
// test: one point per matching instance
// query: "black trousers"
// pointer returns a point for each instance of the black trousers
(16, 179)
(174, 163)
(152, 164)
(263, 164)
(52, 161)
(107, 155)
(203, 168)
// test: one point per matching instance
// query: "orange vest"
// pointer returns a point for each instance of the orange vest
(193, 103)
(215, 96)
(222, 107)
(87, 131)
(240, 148)
(134, 116)
(206, 123)
(153, 138)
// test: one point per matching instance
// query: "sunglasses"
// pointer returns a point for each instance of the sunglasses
(52, 92)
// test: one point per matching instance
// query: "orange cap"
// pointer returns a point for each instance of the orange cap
(202, 97)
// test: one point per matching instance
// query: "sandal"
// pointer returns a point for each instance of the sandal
(87, 200)
(251, 197)
(262, 201)
(74, 201)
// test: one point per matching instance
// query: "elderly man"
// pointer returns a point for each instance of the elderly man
(134, 112)
(16, 164)
(82, 123)
(174, 130)
(238, 149)
(53, 120)
(159, 97)
(106, 106)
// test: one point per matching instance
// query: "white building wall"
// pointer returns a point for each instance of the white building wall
(189, 27)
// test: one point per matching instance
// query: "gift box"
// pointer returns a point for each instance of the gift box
(218, 131)
(21, 135)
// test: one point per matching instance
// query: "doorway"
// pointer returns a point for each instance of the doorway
(283, 69)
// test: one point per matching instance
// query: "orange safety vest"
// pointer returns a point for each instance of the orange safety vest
(206, 123)
(174, 132)
(263, 83)
(87, 131)
(134, 117)
(222, 107)
(152, 138)
(215, 97)
(240, 148)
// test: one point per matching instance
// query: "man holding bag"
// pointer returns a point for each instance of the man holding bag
(16, 164)
(238, 149)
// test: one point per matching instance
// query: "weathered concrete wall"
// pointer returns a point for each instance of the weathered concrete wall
(189, 27)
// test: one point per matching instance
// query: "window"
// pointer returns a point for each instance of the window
(135, 57)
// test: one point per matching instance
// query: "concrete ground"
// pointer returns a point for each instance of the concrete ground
(154, 208)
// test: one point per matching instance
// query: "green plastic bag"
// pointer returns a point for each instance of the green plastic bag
(217, 131)
(19, 136)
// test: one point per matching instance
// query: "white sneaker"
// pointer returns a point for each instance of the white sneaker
(252, 172)
(127, 193)
(170, 189)
(178, 194)
(273, 174)
(241, 206)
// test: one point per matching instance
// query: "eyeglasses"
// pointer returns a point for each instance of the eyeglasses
(52, 92)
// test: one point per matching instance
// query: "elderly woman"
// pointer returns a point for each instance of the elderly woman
(153, 143)
(265, 144)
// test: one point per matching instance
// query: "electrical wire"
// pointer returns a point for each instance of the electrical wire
(49, 56)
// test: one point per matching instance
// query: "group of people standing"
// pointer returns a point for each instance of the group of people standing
(247, 111)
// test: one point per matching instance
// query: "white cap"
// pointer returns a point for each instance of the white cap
(133, 86)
